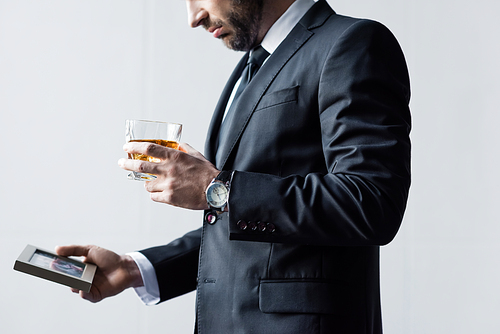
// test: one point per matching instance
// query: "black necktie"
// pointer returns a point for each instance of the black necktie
(254, 63)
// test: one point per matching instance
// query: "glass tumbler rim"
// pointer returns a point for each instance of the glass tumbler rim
(152, 121)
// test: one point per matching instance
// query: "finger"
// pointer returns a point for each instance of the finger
(136, 165)
(154, 186)
(73, 250)
(161, 197)
(150, 149)
(88, 296)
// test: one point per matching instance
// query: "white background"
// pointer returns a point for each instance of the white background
(72, 71)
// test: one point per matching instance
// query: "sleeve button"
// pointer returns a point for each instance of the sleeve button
(242, 225)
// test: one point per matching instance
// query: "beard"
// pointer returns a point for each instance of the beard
(245, 21)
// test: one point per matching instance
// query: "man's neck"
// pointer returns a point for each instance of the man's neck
(272, 11)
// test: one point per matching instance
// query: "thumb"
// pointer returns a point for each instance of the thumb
(186, 148)
(73, 250)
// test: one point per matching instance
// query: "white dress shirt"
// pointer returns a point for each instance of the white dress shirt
(277, 33)
(150, 293)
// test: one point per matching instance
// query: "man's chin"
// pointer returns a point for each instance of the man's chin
(232, 45)
(228, 42)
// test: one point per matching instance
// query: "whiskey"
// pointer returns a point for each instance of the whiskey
(139, 130)
(162, 142)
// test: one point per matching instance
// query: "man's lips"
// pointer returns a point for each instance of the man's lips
(216, 31)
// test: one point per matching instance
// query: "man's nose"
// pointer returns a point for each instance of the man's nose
(196, 13)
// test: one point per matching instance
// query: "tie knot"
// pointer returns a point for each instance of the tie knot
(258, 56)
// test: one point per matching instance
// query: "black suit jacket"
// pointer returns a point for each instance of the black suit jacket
(320, 145)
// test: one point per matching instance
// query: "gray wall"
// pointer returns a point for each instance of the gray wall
(71, 72)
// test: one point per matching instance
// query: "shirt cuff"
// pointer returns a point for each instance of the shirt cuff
(150, 292)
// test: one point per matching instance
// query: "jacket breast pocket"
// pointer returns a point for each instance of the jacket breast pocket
(303, 296)
(288, 95)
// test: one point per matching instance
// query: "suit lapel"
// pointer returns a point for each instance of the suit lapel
(253, 93)
(213, 129)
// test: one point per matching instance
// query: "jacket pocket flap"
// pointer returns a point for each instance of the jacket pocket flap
(279, 97)
(302, 296)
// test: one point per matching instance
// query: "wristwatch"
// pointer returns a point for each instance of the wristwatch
(217, 192)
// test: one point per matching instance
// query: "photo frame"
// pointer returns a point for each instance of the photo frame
(50, 266)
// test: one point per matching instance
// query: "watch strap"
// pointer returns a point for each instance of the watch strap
(225, 176)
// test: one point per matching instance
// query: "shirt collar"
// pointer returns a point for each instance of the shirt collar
(284, 25)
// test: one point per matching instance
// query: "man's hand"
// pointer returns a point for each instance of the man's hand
(114, 273)
(182, 175)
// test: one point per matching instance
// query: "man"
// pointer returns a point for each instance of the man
(315, 154)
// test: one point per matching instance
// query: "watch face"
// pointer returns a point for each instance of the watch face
(217, 195)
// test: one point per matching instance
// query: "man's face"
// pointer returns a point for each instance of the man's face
(236, 22)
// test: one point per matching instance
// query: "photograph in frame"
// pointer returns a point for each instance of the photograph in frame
(47, 265)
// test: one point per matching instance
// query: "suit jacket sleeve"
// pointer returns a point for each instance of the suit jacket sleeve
(363, 98)
(176, 264)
